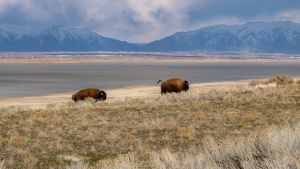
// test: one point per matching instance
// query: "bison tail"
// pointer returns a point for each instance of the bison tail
(159, 81)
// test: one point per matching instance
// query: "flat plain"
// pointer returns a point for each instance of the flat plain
(234, 126)
(215, 125)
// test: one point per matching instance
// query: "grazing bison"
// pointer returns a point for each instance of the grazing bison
(89, 92)
(174, 85)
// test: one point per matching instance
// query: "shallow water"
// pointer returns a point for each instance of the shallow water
(43, 79)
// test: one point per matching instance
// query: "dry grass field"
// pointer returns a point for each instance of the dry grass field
(240, 127)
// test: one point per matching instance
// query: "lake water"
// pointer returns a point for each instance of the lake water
(43, 79)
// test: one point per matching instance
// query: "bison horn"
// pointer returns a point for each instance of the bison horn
(159, 81)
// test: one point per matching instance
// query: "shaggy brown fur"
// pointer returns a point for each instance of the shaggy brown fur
(174, 85)
(89, 93)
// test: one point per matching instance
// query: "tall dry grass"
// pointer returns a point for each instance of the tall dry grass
(275, 148)
(85, 134)
(2, 165)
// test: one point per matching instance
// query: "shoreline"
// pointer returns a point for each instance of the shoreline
(142, 56)
(74, 60)
(116, 93)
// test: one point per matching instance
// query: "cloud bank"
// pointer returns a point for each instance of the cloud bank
(144, 20)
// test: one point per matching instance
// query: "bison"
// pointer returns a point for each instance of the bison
(174, 85)
(89, 93)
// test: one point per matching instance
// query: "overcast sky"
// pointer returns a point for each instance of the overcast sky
(144, 20)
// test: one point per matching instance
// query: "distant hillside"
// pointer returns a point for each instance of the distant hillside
(279, 36)
(56, 38)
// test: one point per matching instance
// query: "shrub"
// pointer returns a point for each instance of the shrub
(281, 80)
(254, 82)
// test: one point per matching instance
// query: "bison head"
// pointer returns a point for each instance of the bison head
(186, 86)
(101, 95)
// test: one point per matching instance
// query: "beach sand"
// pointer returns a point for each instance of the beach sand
(119, 93)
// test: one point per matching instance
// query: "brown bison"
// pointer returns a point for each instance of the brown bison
(89, 93)
(174, 85)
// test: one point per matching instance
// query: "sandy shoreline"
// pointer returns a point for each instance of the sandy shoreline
(70, 60)
(118, 93)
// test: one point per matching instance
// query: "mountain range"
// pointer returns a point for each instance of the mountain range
(271, 37)
(56, 38)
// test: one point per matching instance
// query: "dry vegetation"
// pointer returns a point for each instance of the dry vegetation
(175, 131)
(279, 80)
(275, 148)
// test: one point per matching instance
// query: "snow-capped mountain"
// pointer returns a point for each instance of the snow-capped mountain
(56, 38)
(281, 36)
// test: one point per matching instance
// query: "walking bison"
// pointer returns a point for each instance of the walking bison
(94, 93)
(174, 85)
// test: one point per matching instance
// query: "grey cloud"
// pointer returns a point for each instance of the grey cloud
(144, 20)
